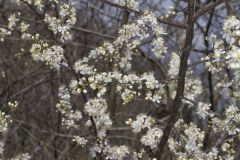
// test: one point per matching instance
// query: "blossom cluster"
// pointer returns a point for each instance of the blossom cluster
(189, 139)
(97, 108)
(229, 123)
(193, 89)
(39, 4)
(13, 105)
(189, 142)
(4, 120)
(128, 3)
(171, 12)
(23, 156)
(51, 55)
(158, 43)
(231, 29)
(71, 117)
(130, 37)
(203, 110)
(61, 26)
(128, 86)
(80, 140)
(214, 62)
(153, 134)
(174, 65)
(117, 152)
(152, 137)
(226, 56)
(126, 82)
(7, 30)
(4, 125)
(24, 28)
(142, 121)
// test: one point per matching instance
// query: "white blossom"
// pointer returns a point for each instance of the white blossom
(174, 65)
(159, 47)
(142, 121)
(203, 109)
(51, 55)
(64, 107)
(97, 108)
(80, 140)
(23, 156)
(4, 120)
(128, 3)
(152, 137)
(127, 95)
(117, 152)
(64, 23)
(231, 29)
(12, 21)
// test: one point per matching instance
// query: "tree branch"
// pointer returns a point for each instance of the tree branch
(207, 9)
(181, 81)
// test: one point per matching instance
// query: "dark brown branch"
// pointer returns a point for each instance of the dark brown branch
(207, 9)
(181, 81)
(173, 23)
